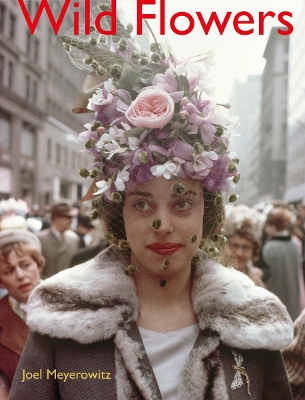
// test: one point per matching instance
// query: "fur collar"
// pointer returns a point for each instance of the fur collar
(92, 301)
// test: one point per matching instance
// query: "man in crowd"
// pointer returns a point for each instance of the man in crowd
(58, 242)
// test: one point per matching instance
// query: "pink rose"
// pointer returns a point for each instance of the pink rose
(153, 108)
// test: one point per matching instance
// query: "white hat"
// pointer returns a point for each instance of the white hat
(10, 236)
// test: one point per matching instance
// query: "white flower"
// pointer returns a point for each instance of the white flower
(164, 170)
(208, 59)
(133, 142)
(210, 154)
(122, 176)
(104, 187)
(113, 148)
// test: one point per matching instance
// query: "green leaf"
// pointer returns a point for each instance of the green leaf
(183, 85)
(160, 157)
(148, 73)
(128, 78)
(135, 132)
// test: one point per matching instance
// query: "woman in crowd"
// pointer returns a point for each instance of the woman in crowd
(243, 227)
(154, 316)
(281, 254)
(21, 263)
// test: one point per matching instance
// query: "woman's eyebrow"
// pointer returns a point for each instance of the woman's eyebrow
(143, 194)
(189, 192)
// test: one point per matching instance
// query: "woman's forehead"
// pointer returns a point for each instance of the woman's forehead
(161, 186)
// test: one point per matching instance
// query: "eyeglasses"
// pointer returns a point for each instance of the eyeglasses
(245, 248)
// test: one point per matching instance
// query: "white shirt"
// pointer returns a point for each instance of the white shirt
(167, 353)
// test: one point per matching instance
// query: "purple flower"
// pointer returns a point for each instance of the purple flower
(168, 82)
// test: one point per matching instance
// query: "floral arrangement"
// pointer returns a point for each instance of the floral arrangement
(154, 117)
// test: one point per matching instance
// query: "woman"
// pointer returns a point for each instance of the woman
(243, 227)
(20, 266)
(153, 316)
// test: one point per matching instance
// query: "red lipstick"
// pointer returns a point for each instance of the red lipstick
(165, 248)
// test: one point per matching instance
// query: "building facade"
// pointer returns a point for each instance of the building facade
(38, 131)
(272, 163)
(246, 103)
(295, 166)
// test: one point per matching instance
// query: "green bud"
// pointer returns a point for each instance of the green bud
(124, 245)
(116, 197)
(144, 60)
(101, 71)
(90, 144)
(198, 148)
(96, 202)
(236, 160)
(129, 28)
(108, 237)
(93, 173)
(122, 47)
(94, 214)
(194, 239)
(165, 264)
(236, 178)
(88, 60)
(232, 167)
(219, 131)
(154, 47)
(219, 218)
(102, 39)
(202, 244)
(218, 200)
(103, 6)
(213, 251)
(92, 28)
(143, 54)
(222, 239)
(92, 40)
(95, 125)
(215, 238)
(67, 47)
(143, 157)
(156, 58)
(156, 224)
(84, 173)
(178, 189)
(115, 71)
(196, 259)
(130, 270)
(94, 65)
(135, 54)
(233, 198)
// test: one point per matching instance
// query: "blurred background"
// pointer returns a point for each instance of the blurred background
(261, 76)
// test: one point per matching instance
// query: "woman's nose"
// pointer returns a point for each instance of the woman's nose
(20, 272)
(163, 223)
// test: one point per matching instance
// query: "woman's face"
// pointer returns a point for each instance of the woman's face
(181, 225)
(242, 248)
(19, 275)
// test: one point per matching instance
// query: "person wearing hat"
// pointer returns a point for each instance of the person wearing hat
(21, 263)
(58, 242)
(84, 225)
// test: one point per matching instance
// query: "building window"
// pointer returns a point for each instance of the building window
(27, 142)
(35, 88)
(58, 153)
(2, 17)
(12, 26)
(36, 49)
(27, 87)
(10, 74)
(6, 131)
(1, 68)
(49, 150)
(64, 189)
(28, 43)
(66, 156)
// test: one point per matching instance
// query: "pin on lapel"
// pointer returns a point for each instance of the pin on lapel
(238, 380)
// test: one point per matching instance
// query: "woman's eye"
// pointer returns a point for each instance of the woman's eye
(183, 205)
(141, 206)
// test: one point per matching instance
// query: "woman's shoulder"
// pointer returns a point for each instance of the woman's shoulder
(244, 315)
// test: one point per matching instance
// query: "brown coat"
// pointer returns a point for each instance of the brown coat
(84, 322)
(13, 336)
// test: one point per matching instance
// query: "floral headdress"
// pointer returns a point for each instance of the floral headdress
(153, 116)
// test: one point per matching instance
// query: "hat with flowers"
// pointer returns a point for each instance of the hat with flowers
(153, 116)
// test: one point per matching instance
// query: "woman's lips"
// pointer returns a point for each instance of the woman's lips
(164, 249)
(25, 287)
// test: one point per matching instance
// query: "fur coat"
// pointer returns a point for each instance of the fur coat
(84, 321)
